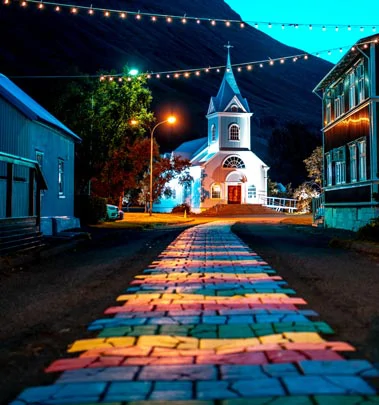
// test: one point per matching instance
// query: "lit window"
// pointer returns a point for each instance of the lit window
(361, 83)
(352, 90)
(353, 162)
(60, 177)
(340, 165)
(328, 112)
(213, 133)
(362, 160)
(234, 162)
(251, 192)
(337, 107)
(329, 172)
(216, 191)
(234, 132)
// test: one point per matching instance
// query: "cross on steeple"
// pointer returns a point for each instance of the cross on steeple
(228, 64)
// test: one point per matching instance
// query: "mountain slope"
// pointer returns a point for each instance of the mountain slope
(48, 43)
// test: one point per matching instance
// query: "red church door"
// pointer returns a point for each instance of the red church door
(234, 194)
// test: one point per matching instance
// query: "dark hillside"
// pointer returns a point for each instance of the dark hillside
(49, 43)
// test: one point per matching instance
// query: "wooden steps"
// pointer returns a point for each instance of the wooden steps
(19, 235)
(225, 210)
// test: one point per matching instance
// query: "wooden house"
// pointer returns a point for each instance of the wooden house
(36, 168)
(350, 100)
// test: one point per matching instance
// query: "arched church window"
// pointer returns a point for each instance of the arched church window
(213, 132)
(234, 132)
(234, 108)
(234, 162)
(216, 191)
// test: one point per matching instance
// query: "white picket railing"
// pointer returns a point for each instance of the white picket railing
(279, 204)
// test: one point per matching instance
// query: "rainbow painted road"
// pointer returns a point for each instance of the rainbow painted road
(209, 323)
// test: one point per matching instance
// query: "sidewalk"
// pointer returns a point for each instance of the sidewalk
(209, 323)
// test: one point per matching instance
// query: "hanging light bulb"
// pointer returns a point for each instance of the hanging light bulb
(249, 67)
(361, 29)
(296, 26)
(340, 49)
(138, 16)
(256, 25)
(294, 59)
(213, 22)
(336, 29)
(153, 18)
(239, 69)
(283, 26)
(261, 65)
(24, 4)
(176, 75)
(310, 27)
(41, 6)
(198, 21)
(271, 62)
(184, 20)
(168, 76)
(74, 10)
(373, 29)
(169, 19)
(57, 8)
(90, 11)
(218, 70)
(323, 28)
(107, 14)
(158, 76)
(349, 28)
(306, 57)
(281, 60)
(269, 25)
(6, 2)
(329, 52)
(227, 23)
(186, 74)
(149, 76)
(123, 15)
(242, 25)
(197, 73)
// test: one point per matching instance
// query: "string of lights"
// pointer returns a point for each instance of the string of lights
(196, 72)
(154, 17)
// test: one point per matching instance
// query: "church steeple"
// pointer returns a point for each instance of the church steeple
(228, 88)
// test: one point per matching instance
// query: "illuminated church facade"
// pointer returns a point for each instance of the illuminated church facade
(224, 168)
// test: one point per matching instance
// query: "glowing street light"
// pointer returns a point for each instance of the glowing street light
(170, 120)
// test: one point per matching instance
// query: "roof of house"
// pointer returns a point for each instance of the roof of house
(344, 63)
(188, 149)
(228, 90)
(29, 107)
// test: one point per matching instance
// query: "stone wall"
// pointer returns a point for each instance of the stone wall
(351, 218)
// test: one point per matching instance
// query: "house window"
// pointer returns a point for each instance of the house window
(329, 172)
(340, 172)
(351, 90)
(234, 132)
(234, 162)
(328, 112)
(337, 107)
(361, 83)
(213, 133)
(251, 192)
(39, 159)
(216, 191)
(362, 160)
(353, 162)
(60, 177)
(339, 158)
(234, 108)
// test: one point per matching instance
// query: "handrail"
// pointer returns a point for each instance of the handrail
(279, 203)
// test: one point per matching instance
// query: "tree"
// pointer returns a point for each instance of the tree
(100, 112)
(312, 187)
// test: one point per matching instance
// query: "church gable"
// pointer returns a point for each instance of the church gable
(211, 108)
(235, 105)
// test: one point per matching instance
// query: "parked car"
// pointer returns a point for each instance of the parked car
(112, 212)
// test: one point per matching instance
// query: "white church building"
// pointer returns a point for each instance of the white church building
(224, 168)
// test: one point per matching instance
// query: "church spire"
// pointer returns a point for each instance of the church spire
(228, 88)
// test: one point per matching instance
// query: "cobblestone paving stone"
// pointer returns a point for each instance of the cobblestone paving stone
(209, 323)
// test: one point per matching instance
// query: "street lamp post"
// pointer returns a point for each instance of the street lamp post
(170, 120)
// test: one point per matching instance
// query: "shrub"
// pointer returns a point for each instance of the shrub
(90, 209)
(179, 209)
(370, 231)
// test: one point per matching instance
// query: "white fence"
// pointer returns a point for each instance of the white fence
(279, 204)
